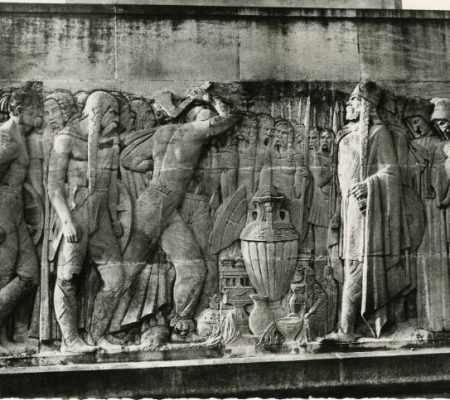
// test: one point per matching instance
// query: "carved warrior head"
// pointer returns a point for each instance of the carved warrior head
(283, 136)
(127, 115)
(369, 91)
(102, 113)
(266, 127)
(102, 110)
(364, 91)
(300, 134)
(361, 107)
(326, 141)
(80, 99)
(59, 107)
(145, 118)
(24, 106)
(417, 116)
(441, 115)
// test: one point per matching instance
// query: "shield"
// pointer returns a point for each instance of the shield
(230, 221)
(34, 212)
(125, 213)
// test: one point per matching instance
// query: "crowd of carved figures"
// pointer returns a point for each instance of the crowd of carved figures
(131, 222)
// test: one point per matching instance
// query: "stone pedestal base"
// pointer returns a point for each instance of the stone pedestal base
(405, 372)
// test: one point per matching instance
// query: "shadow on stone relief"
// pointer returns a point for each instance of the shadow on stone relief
(256, 216)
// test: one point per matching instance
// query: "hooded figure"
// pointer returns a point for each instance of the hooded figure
(441, 117)
(431, 180)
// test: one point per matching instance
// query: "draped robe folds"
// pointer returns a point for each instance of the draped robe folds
(433, 264)
(377, 237)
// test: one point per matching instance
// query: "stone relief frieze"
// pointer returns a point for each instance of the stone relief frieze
(236, 214)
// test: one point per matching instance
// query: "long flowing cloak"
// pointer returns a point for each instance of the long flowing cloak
(377, 237)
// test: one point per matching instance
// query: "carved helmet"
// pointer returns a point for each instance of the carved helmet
(417, 107)
(441, 109)
(369, 91)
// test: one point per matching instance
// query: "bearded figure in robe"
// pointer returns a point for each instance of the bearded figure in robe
(373, 238)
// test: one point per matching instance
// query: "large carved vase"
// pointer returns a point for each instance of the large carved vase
(269, 245)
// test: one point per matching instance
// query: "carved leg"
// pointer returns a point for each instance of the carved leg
(131, 271)
(183, 251)
(27, 270)
(5, 347)
(351, 299)
(71, 258)
(65, 303)
(4, 340)
(21, 342)
(21, 322)
(11, 294)
(66, 309)
(106, 303)
(195, 211)
(104, 250)
(8, 255)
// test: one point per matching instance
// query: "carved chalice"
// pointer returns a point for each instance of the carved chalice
(289, 327)
(269, 245)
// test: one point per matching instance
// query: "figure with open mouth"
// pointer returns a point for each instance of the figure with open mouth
(321, 209)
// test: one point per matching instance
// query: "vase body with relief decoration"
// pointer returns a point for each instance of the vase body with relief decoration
(269, 245)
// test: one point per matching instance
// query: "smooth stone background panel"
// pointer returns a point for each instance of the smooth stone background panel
(108, 49)
(412, 51)
(177, 49)
(56, 47)
(282, 49)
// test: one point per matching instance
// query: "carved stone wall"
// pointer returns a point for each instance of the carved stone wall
(222, 216)
(217, 183)
(143, 49)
